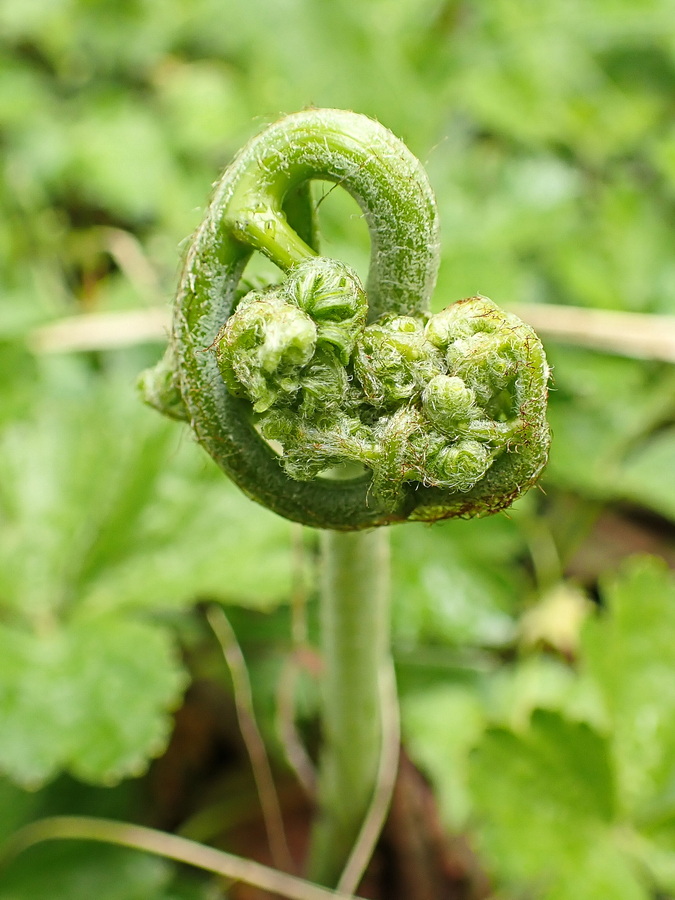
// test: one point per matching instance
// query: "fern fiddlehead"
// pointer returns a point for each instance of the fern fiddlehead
(439, 415)
(443, 414)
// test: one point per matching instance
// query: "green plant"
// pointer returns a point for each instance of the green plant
(378, 412)
(381, 412)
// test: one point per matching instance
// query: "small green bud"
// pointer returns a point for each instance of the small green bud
(448, 326)
(324, 387)
(263, 347)
(459, 466)
(394, 361)
(331, 293)
(447, 401)
(488, 362)
(462, 320)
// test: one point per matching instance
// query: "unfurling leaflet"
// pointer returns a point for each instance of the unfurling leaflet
(424, 416)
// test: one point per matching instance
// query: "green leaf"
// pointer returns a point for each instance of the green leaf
(645, 477)
(38, 706)
(440, 725)
(455, 583)
(105, 505)
(199, 537)
(93, 698)
(599, 430)
(79, 473)
(630, 653)
(514, 692)
(545, 800)
(82, 870)
(130, 680)
(106, 512)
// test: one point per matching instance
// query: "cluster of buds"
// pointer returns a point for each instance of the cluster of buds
(441, 401)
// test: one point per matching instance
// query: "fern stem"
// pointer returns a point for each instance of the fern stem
(354, 642)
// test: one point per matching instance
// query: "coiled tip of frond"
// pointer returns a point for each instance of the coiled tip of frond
(436, 404)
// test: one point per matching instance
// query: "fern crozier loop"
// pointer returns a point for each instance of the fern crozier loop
(444, 415)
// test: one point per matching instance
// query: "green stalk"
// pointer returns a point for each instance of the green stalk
(355, 648)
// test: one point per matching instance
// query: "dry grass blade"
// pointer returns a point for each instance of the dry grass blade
(255, 746)
(636, 335)
(102, 331)
(296, 754)
(170, 847)
(386, 779)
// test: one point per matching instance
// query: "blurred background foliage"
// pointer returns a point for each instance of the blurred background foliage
(535, 664)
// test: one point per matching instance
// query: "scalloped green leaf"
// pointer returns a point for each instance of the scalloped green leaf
(103, 504)
(93, 698)
(645, 474)
(545, 801)
(629, 652)
(449, 589)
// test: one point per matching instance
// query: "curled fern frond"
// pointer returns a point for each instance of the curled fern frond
(439, 416)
